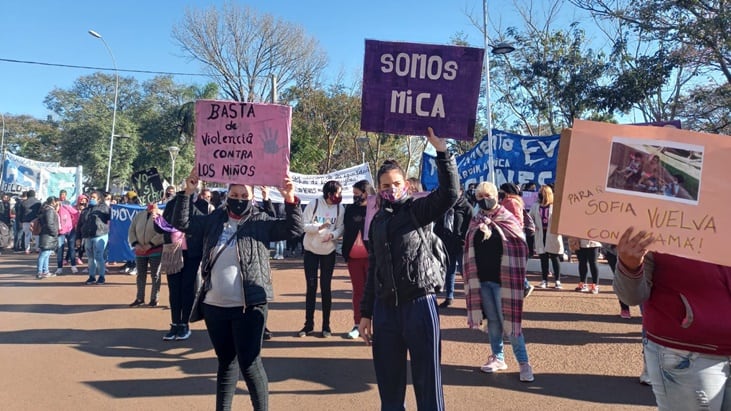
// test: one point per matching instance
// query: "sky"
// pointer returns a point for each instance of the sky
(138, 32)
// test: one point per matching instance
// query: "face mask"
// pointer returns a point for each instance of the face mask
(237, 207)
(335, 199)
(92, 202)
(394, 195)
(487, 203)
(357, 199)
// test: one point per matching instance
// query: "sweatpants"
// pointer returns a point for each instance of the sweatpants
(411, 327)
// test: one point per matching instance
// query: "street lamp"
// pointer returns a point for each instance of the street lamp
(2, 139)
(362, 143)
(500, 48)
(174, 150)
(114, 112)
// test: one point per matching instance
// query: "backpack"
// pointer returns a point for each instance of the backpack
(35, 226)
(5, 237)
(438, 257)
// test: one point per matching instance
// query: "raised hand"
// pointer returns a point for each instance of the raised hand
(439, 144)
(191, 182)
(632, 249)
(287, 190)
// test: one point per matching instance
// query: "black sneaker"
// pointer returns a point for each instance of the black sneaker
(446, 303)
(136, 303)
(183, 332)
(172, 333)
(267, 334)
(306, 331)
(90, 281)
(153, 303)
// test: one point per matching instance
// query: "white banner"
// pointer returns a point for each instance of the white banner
(309, 186)
(45, 178)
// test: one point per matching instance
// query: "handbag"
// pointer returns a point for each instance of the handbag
(196, 313)
(171, 261)
(358, 250)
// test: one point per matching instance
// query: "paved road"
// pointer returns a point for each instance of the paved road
(66, 346)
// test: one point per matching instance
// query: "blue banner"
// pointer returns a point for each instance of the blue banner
(518, 159)
(118, 246)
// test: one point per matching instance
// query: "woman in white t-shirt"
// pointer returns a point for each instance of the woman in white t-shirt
(323, 223)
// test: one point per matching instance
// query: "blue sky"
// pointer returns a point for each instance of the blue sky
(139, 35)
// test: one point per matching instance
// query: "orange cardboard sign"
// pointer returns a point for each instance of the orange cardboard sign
(670, 182)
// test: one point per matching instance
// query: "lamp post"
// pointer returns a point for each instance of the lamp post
(114, 112)
(174, 150)
(362, 143)
(500, 48)
(2, 139)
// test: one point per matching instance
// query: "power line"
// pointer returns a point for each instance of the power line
(40, 63)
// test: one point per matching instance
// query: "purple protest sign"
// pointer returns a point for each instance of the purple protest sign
(408, 87)
(245, 143)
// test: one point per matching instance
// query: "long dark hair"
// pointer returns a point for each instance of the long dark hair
(364, 186)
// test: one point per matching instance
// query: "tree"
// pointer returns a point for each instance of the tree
(29, 137)
(241, 49)
(693, 38)
(325, 126)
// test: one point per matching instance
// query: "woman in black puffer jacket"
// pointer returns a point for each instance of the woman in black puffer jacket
(398, 309)
(48, 239)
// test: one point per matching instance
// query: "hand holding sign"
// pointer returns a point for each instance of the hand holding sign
(287, 191)
(191, 182)
(631, 250)
(439, 144)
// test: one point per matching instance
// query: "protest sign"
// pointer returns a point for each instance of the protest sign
(245, 143)
(22, 174)
(670, 182)
(408, 87)
(308, 187)
(518, 159)
(121, 218)
(148, 185)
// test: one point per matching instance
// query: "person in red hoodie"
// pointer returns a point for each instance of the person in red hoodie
(686, 305)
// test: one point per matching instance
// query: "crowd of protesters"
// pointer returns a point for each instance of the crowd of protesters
(226, 238)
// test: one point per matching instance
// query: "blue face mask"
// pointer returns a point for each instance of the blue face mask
(92, 202)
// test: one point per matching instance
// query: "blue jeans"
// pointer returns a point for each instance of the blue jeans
(279, 247)
(686, 380)
(59, 249)
(95, 247)
(455, 261)
(490, 293)
(71, 251)
(43, 258)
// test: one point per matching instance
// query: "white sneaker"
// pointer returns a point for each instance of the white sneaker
(558, 285)
(493, 364)
(132, 271)
(543, 284)
(59, 271)
(353, 334)
(74, 269)
(526, 373)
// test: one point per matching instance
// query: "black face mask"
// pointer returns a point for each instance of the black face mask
(487, 203)
(238, 207)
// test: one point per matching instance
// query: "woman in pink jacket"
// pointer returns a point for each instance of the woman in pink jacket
(68, 217)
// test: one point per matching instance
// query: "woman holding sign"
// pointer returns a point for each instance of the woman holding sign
(237, 282)
(685, 315)
(399, 311)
